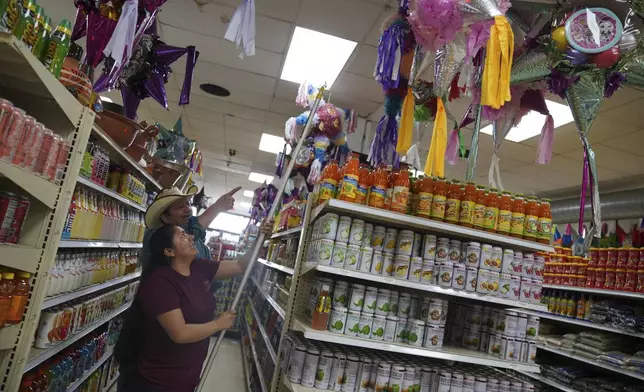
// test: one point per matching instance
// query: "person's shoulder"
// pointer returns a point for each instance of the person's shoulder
(158, 276)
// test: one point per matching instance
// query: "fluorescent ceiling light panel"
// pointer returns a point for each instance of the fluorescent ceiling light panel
(250, 194)
(271, 143)
(303, 60)
(106, 99)
(261, 178)
(245, 204)
(531, 123)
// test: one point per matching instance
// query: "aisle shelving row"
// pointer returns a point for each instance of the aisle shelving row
(258, 367)
(276, 266)
(270, 299)
(108, 192)
(110, 383)
(59, 299)
(73, 387)
(99, 244)
(547, 381)
(245, 367)
(284, 233)
(262, 331)
(590, 290)
(43, 190)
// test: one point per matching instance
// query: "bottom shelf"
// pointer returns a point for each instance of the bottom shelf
(258, 367)
(245, 366)
(89, 371)
(110, 383)
(298, 388)
(548, 381)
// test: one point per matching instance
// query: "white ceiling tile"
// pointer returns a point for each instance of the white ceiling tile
(623, 96)
(286, 90)
(358, 86)
(285, 107)
(362, 107)
(285, 10)
(215, 50)
(364, 61)
(224, 107)
(613, 159)
(229, 78)
(630, 113)
(631, 143)
(236, 122)
(348, 19)
(194, 112)
(276, 120)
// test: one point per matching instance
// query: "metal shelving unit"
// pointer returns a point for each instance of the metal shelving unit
(262, 332)
(20, 257)
(288, 232)
(99, 244)
(548, 381)
(278, 267)
(59, 299)
(270, 299)
(109, 384)
(89, 371)
(588, 290)
(255, 357)
(108, 192)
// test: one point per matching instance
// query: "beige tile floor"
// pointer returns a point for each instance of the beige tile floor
(227, 373)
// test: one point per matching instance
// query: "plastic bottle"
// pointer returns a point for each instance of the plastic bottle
(328, 182)
(518, 216)
(400, 190)
(378, 188)
(439, 200)
(531, 219)
(6, 292)
(466, 214)
(491, 211)
(350, 179)
(363, 184)
(43, 39)
(20, 297)
(581, 307)
(479, 208)
(425, 196)
(322, 309)
(58, 47)
(505, 214)
(589, 305)
(453, 202)
(544, 225)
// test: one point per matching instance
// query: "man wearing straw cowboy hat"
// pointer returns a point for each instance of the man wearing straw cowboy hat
(172, 207)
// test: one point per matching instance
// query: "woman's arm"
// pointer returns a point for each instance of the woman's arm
(181, 333)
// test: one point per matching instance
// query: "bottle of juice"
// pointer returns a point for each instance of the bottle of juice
(328, 182)
(453, 202)
(322, 309)
(42, 379)
(425, 189)
(491, 210)
(468, 203)
(350, 179)
(363, 184)
(20, 297)
(440, 199)
(6, 292)
(43, 39)
(479, 207)
(393, 174)
(400, 194)
(544, 226)
(581, 307)
(58, 47)
(378, 188)
(589, 305)
(518, 216)
(505, 214)
(531, 219)
(413, 194)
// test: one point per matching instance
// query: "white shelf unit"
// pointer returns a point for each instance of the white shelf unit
(20, 257)
(548, 381)
(429, 288)
(99, 244)
(258, 367)
(111, 382)
(288, 232)
(108, 192)
(587, 290)
(262, 331)
(107, 355)
(270, 299)
(59, 299)
(278, 267)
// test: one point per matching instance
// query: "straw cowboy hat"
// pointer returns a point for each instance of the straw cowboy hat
(162, 202)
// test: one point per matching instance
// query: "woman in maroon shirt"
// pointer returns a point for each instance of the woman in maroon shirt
(164, 341)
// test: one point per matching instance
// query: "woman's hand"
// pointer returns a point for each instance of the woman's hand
(226, 320)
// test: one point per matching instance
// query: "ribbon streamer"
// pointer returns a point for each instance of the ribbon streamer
(435, 162)
(582, 196)
(474, 147)
(495, 89)
(120, 45)
(547, 138)
(494, 176)
(406, 130)
(241, 29)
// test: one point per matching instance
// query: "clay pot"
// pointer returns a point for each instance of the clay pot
(139, 147)
(120, 128)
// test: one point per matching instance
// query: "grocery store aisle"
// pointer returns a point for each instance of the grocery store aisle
(227, 372)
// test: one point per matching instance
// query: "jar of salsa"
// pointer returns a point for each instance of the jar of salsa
(378, 188)
(609, 282)
(531, 219)
(468, 202)
(505, 214)
(631, 280)
(425, 196)
(393, 174)
(326, 186)
(633, 258)
(413, 194)
(491, 210)
(363, 184)
(600, 277)
(453, 202)
(518, 216)
(479, 207)
(622, 257)
(400, 194)
(640, 281)
(544, 227)
(440, 199)
(590, 276)
(611, 260)
(620, 279)
(594, 257)
(349, 189)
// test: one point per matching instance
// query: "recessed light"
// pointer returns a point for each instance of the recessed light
(273, 144)
(250, 194)
(531, 123)
(214, 89)
(302, 58)
(261, 178)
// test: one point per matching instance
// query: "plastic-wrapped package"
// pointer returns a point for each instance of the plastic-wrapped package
(616, 358)
(589, 349)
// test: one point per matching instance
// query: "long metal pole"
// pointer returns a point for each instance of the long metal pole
(260, 239)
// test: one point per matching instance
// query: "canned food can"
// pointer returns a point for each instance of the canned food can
(388, 264)
(356, 232)
(515, 288)
(497, 259)
(340, 294)
(455, 251)
(480, 384)
(390, 328)
(427, 273)
(532, 328)
(526, 290)
(415, 269)
(457, 382)
(413, 307)
(357, 297)
(492, 385)
(382, 302)
(338, 319)
(425, 379)
(408, 383)
(324, 252)
(415, 332)
(429, 247)
(350, 373)
(486, 256)
(436, 273)
(535, 291)
(366, 321)
(471, 338)
(405, 242)
(376, 263)
(367, 235)
(339, 253)
(323, 371)
(352, 327)
(494, 345)
(329, 226)
(378, 238)
(504, 385)
(444, 381)
(470, 278)
(508, 325)
(505, 285)
(364, 374)
(532, 352)
(352, 257)
(401, 331)
(507, 264)
(383, 376)
(459, 282)
(482, 281)
(517, 264)
(344, 229)
(365, 260)
(396, 379)
(446, 274)
(404, 304)
(528, 266)
(442, 250)
(370, 300)
(473, 254)
(485, 341)
(418, 244)
(378, 327)
(296, 364)
(337, 371)
(516, 386)
(391, 236)
(510, 353)
(468, 383)
(522, 326)
(401, 266)
(523, 350)
(435, 311)
(393, 302)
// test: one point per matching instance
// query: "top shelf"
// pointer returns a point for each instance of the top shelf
(410, 221)
(126, 157)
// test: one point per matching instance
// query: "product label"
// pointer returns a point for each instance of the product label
(466, 214)
(544, 227)
(505, 221)
(388, 193)
(491, 218)
(327, 190)
(10, 17)
(399, 199)
(424, 204)
(518, 220)
(349, 187)
(438, 206)
(361, 194)
(530, 226)
(479, 215)
(30, 33)
(377, 196)
(452, 207)
(323, 304)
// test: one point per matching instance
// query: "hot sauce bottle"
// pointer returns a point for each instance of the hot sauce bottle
(439, 200)
(413, 194)
(425, 196)
(390, 186)
(363, 184)
(545, 222)
(479, 207)
(378, 188)
(349, 189)
(505, 214)
(491, 210)
(400, 194)
(531, 219)
(518, 217)
(453, 203)
(328, 182)
(468, 203)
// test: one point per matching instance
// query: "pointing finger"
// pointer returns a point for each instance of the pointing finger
(235, 190)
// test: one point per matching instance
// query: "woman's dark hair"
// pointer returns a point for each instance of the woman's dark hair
(129, 342)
